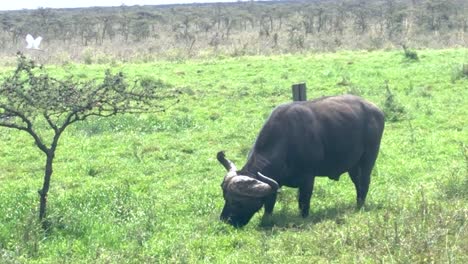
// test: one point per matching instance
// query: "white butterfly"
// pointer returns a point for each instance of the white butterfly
(33, 43)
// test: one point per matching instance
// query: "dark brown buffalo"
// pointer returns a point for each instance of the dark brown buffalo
(300, 141)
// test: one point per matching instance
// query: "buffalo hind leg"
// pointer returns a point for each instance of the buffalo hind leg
(360, 175)
(305, 193)
(361, 189)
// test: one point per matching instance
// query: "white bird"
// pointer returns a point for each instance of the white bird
(33, 43)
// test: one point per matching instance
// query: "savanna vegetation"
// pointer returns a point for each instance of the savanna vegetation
(145, 187)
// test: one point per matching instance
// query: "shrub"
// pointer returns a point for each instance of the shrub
(88, 56)
(410, 54)
(393, 110)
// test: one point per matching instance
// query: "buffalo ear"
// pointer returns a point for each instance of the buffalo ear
(249, 187)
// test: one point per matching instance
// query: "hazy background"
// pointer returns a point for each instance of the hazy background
(148, 32)
(32, 4)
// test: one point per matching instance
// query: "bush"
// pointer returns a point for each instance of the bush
(88, 56)
(393, 110)
(148, 82)
(410, 54)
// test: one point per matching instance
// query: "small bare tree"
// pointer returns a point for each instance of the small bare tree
(30, 98)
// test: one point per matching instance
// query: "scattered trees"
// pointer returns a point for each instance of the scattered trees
(314, 22)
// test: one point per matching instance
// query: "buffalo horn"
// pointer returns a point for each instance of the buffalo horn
(225, 162)
(274, 185)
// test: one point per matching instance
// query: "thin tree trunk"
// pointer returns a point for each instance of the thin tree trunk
(45, 187)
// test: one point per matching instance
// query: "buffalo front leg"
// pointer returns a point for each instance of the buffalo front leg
(270, 203)
(305, 193)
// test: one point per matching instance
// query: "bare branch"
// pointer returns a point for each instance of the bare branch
(50, 122)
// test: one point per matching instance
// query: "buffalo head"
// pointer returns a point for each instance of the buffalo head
(243, 195)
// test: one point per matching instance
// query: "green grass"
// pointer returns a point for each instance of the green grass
(133, 189)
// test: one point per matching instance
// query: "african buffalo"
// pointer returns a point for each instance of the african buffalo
(299, 141)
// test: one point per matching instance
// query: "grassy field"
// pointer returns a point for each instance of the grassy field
(135, 189)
